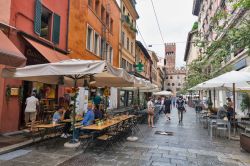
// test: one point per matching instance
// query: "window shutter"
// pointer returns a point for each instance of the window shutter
(56, 28)
(38, 15)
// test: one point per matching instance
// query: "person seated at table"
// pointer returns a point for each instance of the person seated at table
(222, 112)
(59, 115)
(102, 110)
(67, 126)
(97, 112)
(89, 116)
(88, 119)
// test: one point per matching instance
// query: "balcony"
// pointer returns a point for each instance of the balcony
(128, 24)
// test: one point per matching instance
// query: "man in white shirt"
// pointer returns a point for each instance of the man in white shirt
(31, 108)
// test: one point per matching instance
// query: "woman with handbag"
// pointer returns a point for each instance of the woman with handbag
(150, 110)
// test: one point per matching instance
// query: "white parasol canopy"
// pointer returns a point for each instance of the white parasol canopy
(163, 93)
(71, 72)
(239, 78)
(103, 72)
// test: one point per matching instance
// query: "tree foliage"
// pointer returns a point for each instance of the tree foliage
(233, 40)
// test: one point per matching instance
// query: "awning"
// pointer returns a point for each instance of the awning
(50, 54)
(9, 54)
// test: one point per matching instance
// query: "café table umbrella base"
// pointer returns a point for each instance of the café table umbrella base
(235, 138)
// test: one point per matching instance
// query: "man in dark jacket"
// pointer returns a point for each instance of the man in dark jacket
(180, 106)
(167, 110)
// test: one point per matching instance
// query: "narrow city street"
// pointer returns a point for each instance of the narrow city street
(189, 145)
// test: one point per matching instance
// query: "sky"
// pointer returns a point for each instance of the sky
(175, 19)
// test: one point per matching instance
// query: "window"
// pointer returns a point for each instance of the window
(122, 98)
(102, 49)
(123, 39)
(130, 98)
(168, 84)
(127, 43)
(107, 19)
(111, 25)
(97, 6)
(171, 77)
(178, 77)
(97, 44)
(124, 63)
(106, 52)
(90, 39)
(110, 55)
(129, 67)
(172, 84)
(166, 77)
(132, 48)
(90, 3)
(46, 23)
(123, 10)
(179, 84)
(103, 14)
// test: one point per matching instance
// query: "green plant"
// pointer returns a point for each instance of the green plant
(8, 93)
(245, 103)
(195, 26)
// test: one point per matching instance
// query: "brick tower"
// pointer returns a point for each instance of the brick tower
(170, 54)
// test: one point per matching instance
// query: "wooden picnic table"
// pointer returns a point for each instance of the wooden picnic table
(48, 129)
(108, 123)
(47, 126)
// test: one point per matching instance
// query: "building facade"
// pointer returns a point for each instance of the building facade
(175, 77)
(238, 58)
(155, 60)
(128, 31)
(192, 51)
(94, 30)
(39, 30)
(143, 57)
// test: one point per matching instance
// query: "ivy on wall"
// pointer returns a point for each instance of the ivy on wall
(233, 40)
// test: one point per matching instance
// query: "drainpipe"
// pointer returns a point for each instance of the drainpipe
(67, 33)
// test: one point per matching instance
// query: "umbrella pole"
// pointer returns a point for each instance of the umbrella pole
(234, 107)
(138, 95)
(74, 113)
(214, 98)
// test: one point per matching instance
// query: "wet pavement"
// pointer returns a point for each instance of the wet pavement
(189, 145)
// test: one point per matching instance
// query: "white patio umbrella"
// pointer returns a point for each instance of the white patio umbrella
(232, 79)
(163, 93)
(71, 71)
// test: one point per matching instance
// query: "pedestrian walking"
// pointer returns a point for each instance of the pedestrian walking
(32, 104)
(167, 110)
(150, 108)
(180, 107)
(162, 105)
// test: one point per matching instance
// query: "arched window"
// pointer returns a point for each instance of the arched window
(179, 84)
(168, 84)
(171, 77)
(172, 84)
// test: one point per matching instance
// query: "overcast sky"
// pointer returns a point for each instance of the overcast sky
(176, 20)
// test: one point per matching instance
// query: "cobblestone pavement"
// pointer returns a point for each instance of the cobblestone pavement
(190, 145)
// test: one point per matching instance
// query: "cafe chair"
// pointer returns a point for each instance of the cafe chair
(85, 140)
(221, 126)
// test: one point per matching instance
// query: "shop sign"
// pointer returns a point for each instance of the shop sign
(14, 91)
(240, 64)
(34, 57)
(106, 92)
(139, 67)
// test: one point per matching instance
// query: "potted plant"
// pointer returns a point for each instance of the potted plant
(245, 103)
